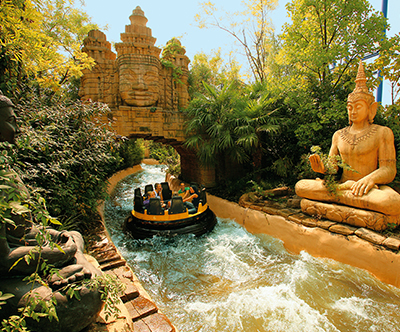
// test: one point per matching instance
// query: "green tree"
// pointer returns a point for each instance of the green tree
(130, 151)
(328, 37)
(323, 45)
(27, 204)
(212, 119)
(253, 32)
(258, 121)
(230, 126)
(41, 45)
(389, 65)
(166, 155)
(213, 70)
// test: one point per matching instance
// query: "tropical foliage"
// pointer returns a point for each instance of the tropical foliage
(213, 119)
(130, 152)
(41, 45)
(306, 75)
(327, 37)
(16, 202)
(166, 155)
(323, 43)
(388, 64)
(213, 70)
(230, 125)
(67, 153)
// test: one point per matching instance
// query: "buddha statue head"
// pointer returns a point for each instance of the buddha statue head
(361, 98)
(8, 124)
(138, 63)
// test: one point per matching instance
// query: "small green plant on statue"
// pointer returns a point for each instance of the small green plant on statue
(332, 164)
(31, 206)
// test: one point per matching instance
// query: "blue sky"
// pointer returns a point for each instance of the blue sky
(175, 18)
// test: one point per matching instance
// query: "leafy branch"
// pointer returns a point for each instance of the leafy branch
(331, 165)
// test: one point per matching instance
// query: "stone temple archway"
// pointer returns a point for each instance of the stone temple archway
(191, 169)
(146, 94)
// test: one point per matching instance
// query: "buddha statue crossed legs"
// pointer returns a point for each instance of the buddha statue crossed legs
(369, 150)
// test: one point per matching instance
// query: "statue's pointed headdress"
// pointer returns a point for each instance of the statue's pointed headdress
(361, 90)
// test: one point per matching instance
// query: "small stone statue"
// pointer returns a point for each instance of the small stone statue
(17, 241)
(370, 152)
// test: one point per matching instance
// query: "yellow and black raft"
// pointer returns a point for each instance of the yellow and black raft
(177, 219)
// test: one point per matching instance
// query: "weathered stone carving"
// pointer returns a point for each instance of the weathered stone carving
(143, 91)
(101, 83)
(370, 152)
(19, 239)
(138, 63)
(349, 215)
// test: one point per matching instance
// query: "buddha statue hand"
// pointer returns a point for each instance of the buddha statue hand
(356, 185)
(363, 186)
(346, 185)
(316, 164)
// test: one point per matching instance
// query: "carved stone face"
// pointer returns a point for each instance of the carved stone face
(360, 111)
(8, 125)
(138, 84)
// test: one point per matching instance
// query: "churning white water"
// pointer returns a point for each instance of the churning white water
(230, 280)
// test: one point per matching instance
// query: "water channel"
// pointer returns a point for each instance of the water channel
(230, 280)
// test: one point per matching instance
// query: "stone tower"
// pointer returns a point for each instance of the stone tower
(136, 76)
(101, 83)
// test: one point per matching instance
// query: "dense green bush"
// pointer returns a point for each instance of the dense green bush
(259, 180)
(130, 152)
(166, 155)
(67, 153)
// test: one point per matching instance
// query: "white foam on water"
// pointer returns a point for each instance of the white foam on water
(376, 315)
(225, 253)
(274, 308)
(354, 306)
(230, 280)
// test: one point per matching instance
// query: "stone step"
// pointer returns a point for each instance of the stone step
(100, 253)
(110, 258)
(154, 323)
(130, 293)
(141, 312)
(140, 308)
(112, 265)
(125, 276)
(159, 323)
(103, 247)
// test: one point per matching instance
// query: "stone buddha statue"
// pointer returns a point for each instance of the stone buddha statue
(362, 197)
(18, 239)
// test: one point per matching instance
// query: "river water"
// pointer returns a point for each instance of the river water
(230, 280)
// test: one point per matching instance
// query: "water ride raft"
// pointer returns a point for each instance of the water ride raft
(177, 219)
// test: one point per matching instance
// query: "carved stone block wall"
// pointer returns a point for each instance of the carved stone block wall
(146, 94)
(146, 122)
(135, 76)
